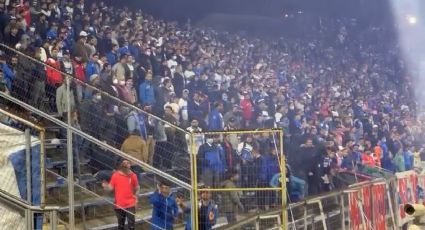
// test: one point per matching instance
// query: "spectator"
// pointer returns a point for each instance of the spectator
(80, 47)
(92, 66)
(146, 91)
(62, 99)
(215, 120)
(231, 201)
(118, 69)
(135, 146)
(8, 74)
(112, 56)
(90, 111)
(125, 186)
(164, 209)
(211, 161)
(244, 151)
(53, 76)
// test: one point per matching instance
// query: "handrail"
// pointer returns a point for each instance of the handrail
(101, 91)
(26, 122)
(307, 201)
(21, 203)
(96, 141)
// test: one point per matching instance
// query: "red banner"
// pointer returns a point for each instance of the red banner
(355, 218)
(367, 205)
(406, 193)
(378, 204)
(421, 189)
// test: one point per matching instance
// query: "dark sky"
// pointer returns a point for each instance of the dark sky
(197, 9)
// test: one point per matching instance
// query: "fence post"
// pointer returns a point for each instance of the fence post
(390, 203)
(28, 163)
(283, 184)
(42, 170)
(342, 211)
(305, 216)
(70, 157)
(194, 190)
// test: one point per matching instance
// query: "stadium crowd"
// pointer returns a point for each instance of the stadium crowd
(344, 100)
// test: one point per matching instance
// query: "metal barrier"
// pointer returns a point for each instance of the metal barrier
(55, 96)
(166, 155)
(233, 172)
(336, 210)
(9, 199)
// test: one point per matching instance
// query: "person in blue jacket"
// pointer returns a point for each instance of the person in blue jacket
(207, 211)
(112, 56)
(93, 66)
(146, 91)
(165, 207)
(8, 74)
(211, 161)
(215, 118)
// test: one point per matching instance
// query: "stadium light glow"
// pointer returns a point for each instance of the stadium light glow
(412, 19)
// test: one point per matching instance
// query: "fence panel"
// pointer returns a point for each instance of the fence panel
(99, 111)
(239, 173)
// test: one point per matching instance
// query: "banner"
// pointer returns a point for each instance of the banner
(354, 211)
(378, 204)
(405, 193)
(367, 205)
(420, 189)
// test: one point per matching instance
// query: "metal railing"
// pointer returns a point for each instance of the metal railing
(302, 216)
(30, 210)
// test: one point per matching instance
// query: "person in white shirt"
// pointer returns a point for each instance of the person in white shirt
(188, 73)
(172, 63)
(173, 103)
(199, 138)
(184, 114)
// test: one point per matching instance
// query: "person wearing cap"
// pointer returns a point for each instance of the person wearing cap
(80, 49)
(94, 80)
(215, 118)
(125, 187)
(165, 208)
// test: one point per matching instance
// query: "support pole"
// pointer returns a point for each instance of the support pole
(283, 183)
(70, 158)
(42, 170)
(342, 211)
(194, 191)
(28, 163)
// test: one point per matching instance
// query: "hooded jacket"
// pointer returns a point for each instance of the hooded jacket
(164, 211)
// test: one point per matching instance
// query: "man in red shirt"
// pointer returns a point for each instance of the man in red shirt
(126, 187)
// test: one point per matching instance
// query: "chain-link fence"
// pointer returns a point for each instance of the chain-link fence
(98, 111)
(22, 196)
(238, 173)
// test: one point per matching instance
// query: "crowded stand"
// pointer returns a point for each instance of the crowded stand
(344, 100)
